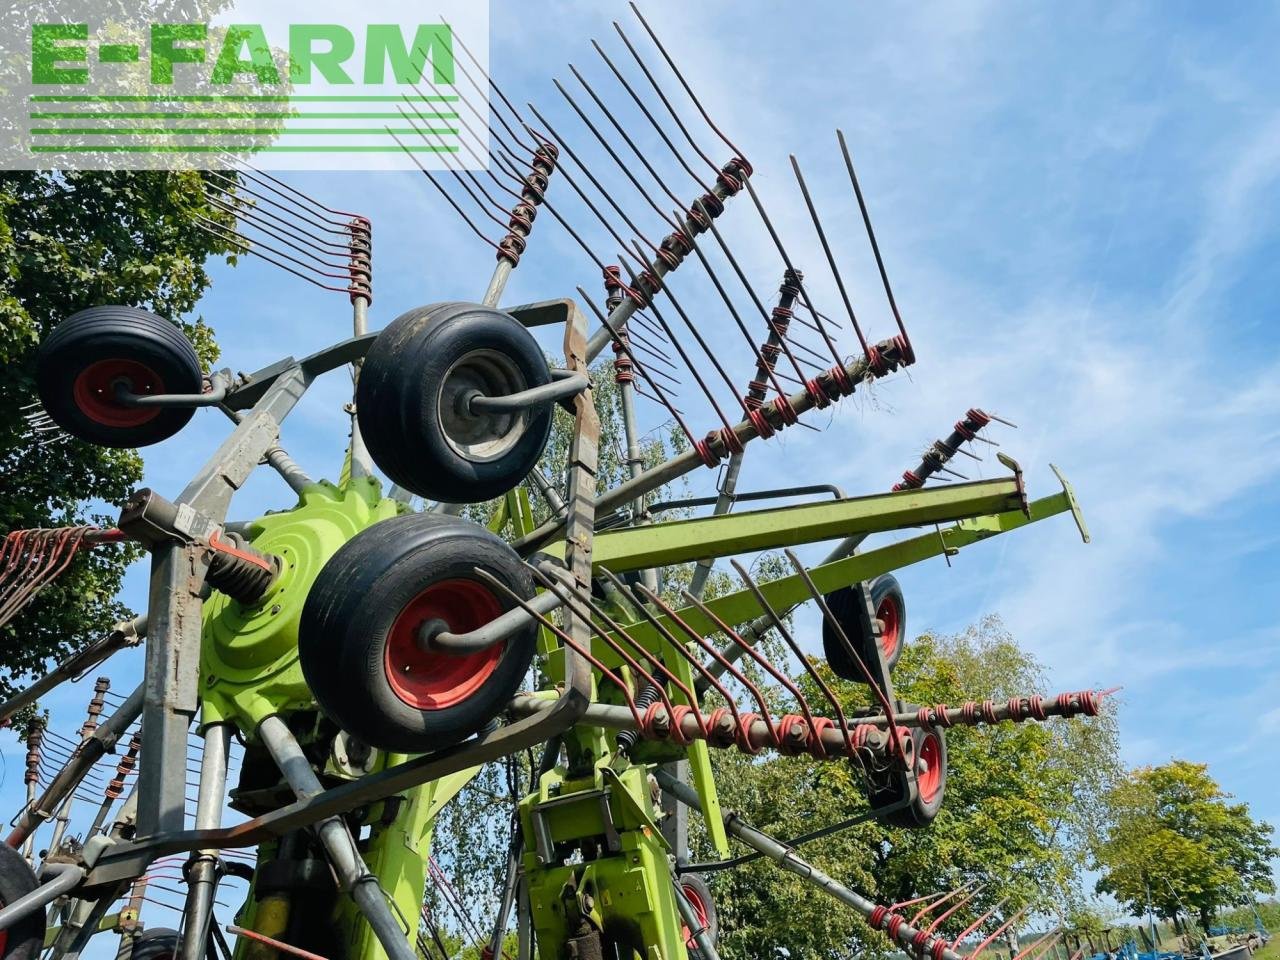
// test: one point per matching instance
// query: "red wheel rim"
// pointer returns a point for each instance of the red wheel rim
(930, 781)
(700, 911)
(430, 679)
(94, 392)
(887, 612)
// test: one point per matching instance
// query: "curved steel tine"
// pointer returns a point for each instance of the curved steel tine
(563, 145)
(564, 638)
(780, 625)
(830, 618)
(703, 185)
(675, 342)
(758, 657)
(458, 175)
(1018, 914)
(826, 249)
(676, 645)
(443, 192)
(640, 367)
(620, 631)
(674, 224)
(871, 235)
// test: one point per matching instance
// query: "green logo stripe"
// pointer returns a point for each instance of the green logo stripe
(232, 98)
(249, 151)
(228, 115)
(241, 131)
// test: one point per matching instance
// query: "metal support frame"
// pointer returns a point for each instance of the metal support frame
(202, 868)
(353, 876)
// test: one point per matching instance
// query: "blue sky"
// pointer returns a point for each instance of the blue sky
(1077, 204)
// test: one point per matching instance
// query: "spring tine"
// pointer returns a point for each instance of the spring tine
(765, 314)
(250, 217)
(826, 249)
(640, 154)
(742, 327)
(284, 189)
(657, 88)
(871, 235)
(489, 81)
(1051, 937)
(443, 192)
(1007, 423)
(780, 625)
(641, 368)
(942, 918)
(976, 924)
(711, 354)
(675, 645)
(650, 117)
(777, 242)
(671, 337)
(459, 175)
(674, 224)
(564, 638)
(259, 216)
(758, 657)
(684, 83)
(307, 220)
(254, 248)
(740, 720)
(591, 177)
(829, 617)
(658, 665)
(973, 954)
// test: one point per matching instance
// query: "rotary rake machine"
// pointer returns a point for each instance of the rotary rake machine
(371, 657)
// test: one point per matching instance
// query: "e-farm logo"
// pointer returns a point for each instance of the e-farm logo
(373, 95)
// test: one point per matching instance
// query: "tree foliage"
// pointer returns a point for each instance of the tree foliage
(70, 240)
(1175, 839)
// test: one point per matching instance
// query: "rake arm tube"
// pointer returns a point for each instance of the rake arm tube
(69, 777)
(905, 934)
(124, 634)
(689, 461)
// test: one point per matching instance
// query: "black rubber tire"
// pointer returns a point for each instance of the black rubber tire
(399, 402)
(25, 939)
(84, 350)
(358, 598)
(697, 890)
(922, 809)
(843, 604)
(156, 943)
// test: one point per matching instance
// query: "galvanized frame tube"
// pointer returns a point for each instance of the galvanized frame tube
(61, 877)
(353, 875)
(174, 606)
(202, 868)
(701, 935)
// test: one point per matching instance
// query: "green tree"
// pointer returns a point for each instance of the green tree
(68, 241)
(1173, 838)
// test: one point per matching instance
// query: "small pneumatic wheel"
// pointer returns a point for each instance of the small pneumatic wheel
(96, 352)
(362, 644)
(156, 943)
(891, 610)
(698, 894)
(929, 757)
(414, 396)
(24, 940)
